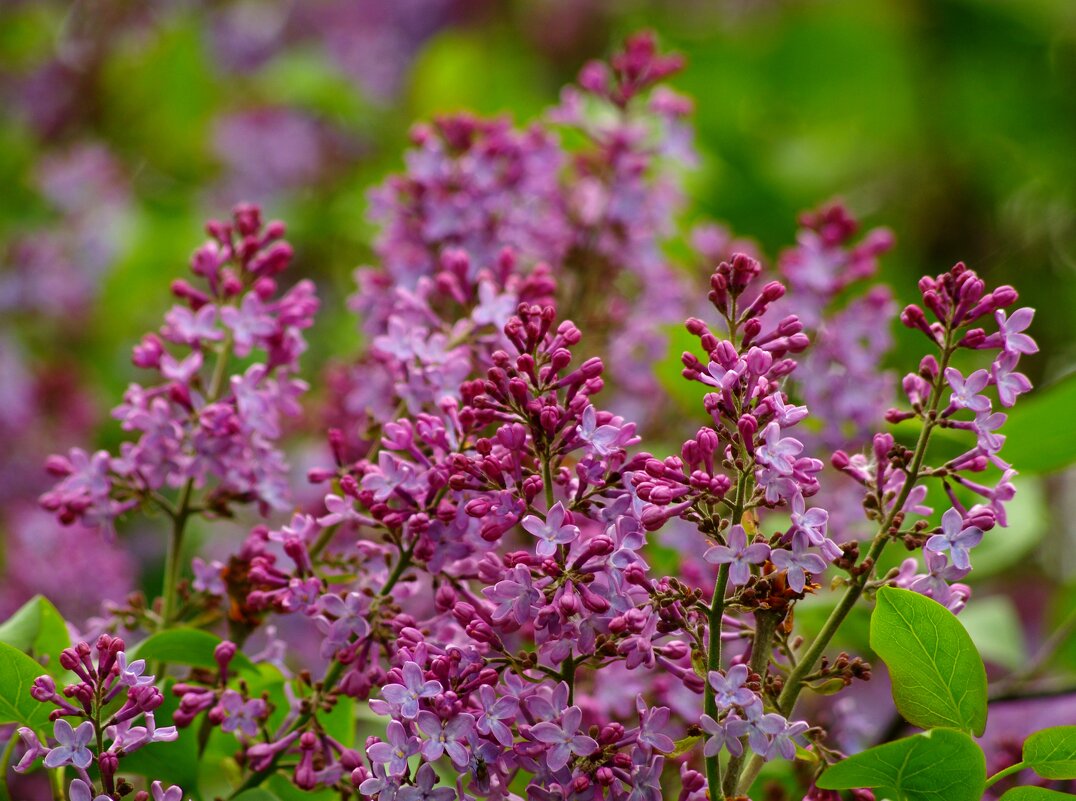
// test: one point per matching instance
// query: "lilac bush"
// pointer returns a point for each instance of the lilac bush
(478, 575)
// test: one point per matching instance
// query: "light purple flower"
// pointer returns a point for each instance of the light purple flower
(798, 562)
(1009, 331)
(414, 688)
(494, 712)
(738, 555)
(786, 415)
(651, 721)
(350, 614)
(173, 793)
(966, 390)
(564, 739)
(956, 539)
(777, 453)
(985, 426)
(208, 577)
(729, 689)
(935, 583)
(80, 791)
(602, 439)
(241, 716)
(396, 750)
(719, 737)
(552, 531)
(446, 736)
(391, 473)
(131, 673)
(424, 789)
(515, 595)
(1010, 384)
(783, 744)
(760, 729)
(72, 748)
(811, 522)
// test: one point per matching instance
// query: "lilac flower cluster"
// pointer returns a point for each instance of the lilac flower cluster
(198, 426)
(477, 572)
(103, 674)
(481, 201)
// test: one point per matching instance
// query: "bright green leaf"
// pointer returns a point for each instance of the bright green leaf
(37, 628)
(938, 765)
(1034, 794)
(938, 678)
(17, 674)
(185, 646)
(1051, 753)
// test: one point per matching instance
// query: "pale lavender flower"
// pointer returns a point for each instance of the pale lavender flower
(414, 688)
(966, 390)
(424, 789)
(783, 744)
(391, 474)
(779, 454)
(449, 737)
(1009, 383)
(242, 716)
(651, 721)
(515, 595)
(985, 426)
(720, 737)
(80, 791)
(1009, 331)
(956, 538)
(552, 531)
(494, 712)
(131, 673)
(564, 739)
(173, 793)
(729, 689)
(72, 748)
(738, 555)
(798, 562)
(208, 577)
(602, 439)
(396, 750)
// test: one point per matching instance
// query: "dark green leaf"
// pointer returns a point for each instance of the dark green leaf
(1051, 753)
(938, 678)
(1034, 794)
(186, 647)
(17, 674)
(938, 765)
(37, 628)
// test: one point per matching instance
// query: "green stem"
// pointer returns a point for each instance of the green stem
(713, 662)
(173, 556)
(765, 627)
(5, 760)
(786, 702)
(1009, 771)
(568, 676)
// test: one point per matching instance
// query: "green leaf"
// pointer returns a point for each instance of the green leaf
(1034, 442)
(938, 678)
(37, 628)
(17, 674)
(996, 630)
(1051, 753)
(186, 646)
(1034, 794)
(938, 765)
(257, 794)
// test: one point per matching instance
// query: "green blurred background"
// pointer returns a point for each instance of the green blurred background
(125, 124)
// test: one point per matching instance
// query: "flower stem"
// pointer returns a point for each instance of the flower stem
(1009, 771)
(713, 662)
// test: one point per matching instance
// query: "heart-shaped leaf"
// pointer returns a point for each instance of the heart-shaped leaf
(938, 677)
(1051, 753)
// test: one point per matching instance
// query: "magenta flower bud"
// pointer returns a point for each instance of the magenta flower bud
(696, 327)
(58, 466)
(605, 776)
(913, 317)
(840, 460)
(43, 689)
(928, 367)
(319, 475)
(223, 654)
(463, 612)
(591, 600)
(883, 444)
(445, 597)
(560, 359)
(108, 763)
(567, 600)
(147, 354)
(675, 650)
(479, 630)
(748, 427)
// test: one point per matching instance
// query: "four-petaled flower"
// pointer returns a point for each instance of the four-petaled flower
(72, 748)
(779, 454)
(966, 390)
(798, 562)
(80, 791)
(131, 672)
(242, 716)
(1009, 383)
(738, 555)
(729, 689)
(414, 688)
(956, 538)
(1009, 331)
(564, 739)
(396, 750)
(446, 736)
(720, 737)
(552, 531)
(424, 789)
(603, 439)
(494, 712)
(515, 595)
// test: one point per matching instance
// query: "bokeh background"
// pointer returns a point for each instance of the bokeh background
(125, 124)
